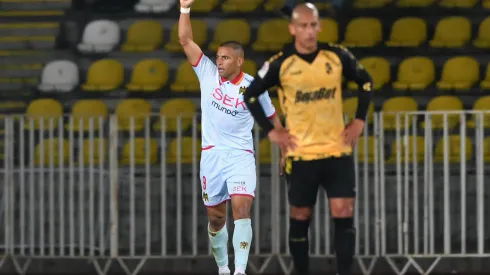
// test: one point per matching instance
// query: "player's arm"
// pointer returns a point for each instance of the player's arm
(191, 49)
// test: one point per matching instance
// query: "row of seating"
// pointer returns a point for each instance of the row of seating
(87, 113)
(134, 152)
(148, 35)
(150, 75)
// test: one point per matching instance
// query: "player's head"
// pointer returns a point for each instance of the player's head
(229, 58)
(305, 26)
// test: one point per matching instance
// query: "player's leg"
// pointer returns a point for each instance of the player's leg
(341, 192)
(303, 190)
(215, 196)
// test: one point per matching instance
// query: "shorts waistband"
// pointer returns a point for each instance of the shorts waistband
(209, 147)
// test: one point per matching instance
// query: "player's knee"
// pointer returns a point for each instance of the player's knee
(300, 213)
(342, 208)
(217, 221)
(241, 206)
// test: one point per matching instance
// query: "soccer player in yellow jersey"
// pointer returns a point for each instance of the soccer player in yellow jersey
(318, 144)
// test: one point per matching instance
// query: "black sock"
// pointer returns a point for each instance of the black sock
(345, 241)
(298, 245)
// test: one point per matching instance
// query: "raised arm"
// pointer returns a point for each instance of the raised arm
(191, 49)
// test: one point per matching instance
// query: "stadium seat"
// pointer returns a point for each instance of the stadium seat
(94, 151)
(143, 36)
(138, 109)
(458, 3)
(186, 79)
(408, 32)
(454, 149)
(100, 36)
(85, 111)
(135, 152)
(48, 152)
(272, 35)
(155, 6)
(485, 84)
(350, 107)
(483, 39)
(370, 4)
(265, 151)
(249, 67)
(365, 150)
(414, 3)
(199, 31)
(43, 110)
(59, 76)
(148, 75)
(330, 31)
(415, 73)
(394, 105)
(363, 32)
(104, 75)
(273, 5)
(459, 73)
(174, 108)
(231, 30)
(486, 4)
(240, 5)
(378, 68)
(204, 5)
(444, 103)
(186, 145)
(481, 105)
(418, 149)
(451, 32)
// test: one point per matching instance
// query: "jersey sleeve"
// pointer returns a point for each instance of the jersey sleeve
(266, 102)
(204, 67)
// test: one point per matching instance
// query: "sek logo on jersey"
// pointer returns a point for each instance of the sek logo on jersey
(230, 103)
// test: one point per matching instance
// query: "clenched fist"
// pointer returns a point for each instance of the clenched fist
(186, 3)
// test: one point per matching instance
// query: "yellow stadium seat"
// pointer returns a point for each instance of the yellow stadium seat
(231, 30)
(204, 5)
(88, 111)
(454, 149)
(249, 67)
(350, 107)
(330, 31)
(482, 104)
(485, 84)
(199, 34)
(186, 79)
(94, 151)
(143, 36)
(486, 150)
(370, 4)
(48, 152)
(416, 144)
(459, 73)
(138, 109)
(486, 4)
(414, 3)
(415, 73)
(240, 5)
(378, 68)
(444, 103)
(394, 105)
(363, 32)
(272, 35)
(458, 3)
(172, 109)
(451, 32)
(362, 146)
(149, 75)
(104, 75)
(408, 32)
(139, 154)
(265, 151)
(273, 5)
(483, 39)
(44, 110)
(186, 153)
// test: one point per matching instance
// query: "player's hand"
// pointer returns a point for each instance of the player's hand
(283, 139)
(186, 3)
(352, 132)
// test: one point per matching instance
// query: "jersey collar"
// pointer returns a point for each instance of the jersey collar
(235, 81)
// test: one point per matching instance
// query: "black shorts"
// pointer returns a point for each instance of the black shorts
(335, 174)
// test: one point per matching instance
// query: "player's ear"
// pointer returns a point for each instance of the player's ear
(292, 31)
(240, 60)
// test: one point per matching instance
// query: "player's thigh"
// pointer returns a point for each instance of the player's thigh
(340, 184)
(214, 191)
(302, 180)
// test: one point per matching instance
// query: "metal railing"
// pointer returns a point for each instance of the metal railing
(121, 189)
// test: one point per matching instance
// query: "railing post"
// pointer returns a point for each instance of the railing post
(114, 185)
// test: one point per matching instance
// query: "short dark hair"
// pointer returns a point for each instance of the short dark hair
(235, 45)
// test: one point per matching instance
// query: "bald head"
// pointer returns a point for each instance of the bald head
(302, 10)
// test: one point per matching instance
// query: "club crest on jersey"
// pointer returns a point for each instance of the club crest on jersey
(242, 90)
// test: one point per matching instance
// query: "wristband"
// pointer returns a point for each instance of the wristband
(185, 10)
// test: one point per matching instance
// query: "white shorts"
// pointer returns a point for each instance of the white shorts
(226, 173)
